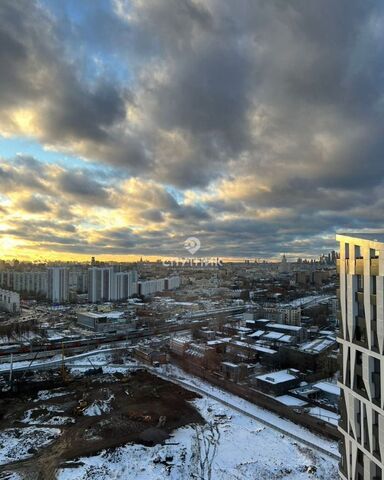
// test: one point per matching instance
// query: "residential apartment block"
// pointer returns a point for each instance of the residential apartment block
(31, 282)
(361, 339)
(106, 284)
(58, 284)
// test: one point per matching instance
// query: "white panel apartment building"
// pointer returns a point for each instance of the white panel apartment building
(31, 282)
(58, 284)
(124, 285)
(6, 279)
(9, 301)
(78, 280)
(361, 340)
(171, 283)
(104, 284)
(149, 287)
(99, 284)
(34, 282)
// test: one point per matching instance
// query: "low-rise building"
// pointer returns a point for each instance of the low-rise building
(236, 372)
(244, 351)
(314, 355)
(105, 322)
(150, 355)
(278, 383)
(9, 301)
(179, 345)
(299, 332)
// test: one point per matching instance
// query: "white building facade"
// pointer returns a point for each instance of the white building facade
(99, 284)
(125, 285)
(361, 341)
(32, 282)
(104, 284)
(9, 301)
(171, 283)
(58, 284)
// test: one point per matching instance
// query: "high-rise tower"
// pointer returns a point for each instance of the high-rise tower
(361, 339)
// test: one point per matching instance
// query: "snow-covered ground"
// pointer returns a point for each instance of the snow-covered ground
(310, 299)
(99, 407)
(7, 475)
(20, 443)
(324, 415)
(42, 416)
(48, 394)
(246, 450)
(171, 371)
(96, 357)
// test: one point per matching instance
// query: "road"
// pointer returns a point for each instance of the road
(54, 364)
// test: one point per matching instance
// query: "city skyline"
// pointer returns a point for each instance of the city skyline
(129, 126)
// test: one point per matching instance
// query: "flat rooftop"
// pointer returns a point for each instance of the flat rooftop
(292, 328)
(369, 236)
(277, 377)
(328, 387)
(111, 315)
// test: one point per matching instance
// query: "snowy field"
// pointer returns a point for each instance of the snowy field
(246, 450)
(173, 372)
(17, 444)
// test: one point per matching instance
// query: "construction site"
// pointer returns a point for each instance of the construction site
(46, 429)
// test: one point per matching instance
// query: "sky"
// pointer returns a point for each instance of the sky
(128, 126)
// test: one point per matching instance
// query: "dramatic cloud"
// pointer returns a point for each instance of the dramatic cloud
(255, 125)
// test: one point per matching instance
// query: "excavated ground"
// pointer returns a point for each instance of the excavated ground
(95, 413)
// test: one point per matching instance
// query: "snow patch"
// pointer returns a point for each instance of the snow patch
(21, 443)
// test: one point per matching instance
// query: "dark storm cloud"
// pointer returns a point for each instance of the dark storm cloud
(45, 232)
(153, 215)
(83, 114)
(122, 238)
(24, 172)
(38, 74)
(281, 100)
(83, 187)
(34, 205)
(188, 213)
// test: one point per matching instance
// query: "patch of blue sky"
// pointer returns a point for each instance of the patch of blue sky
(11, 147)
(177, 194)
(91, 24)
(23, 146)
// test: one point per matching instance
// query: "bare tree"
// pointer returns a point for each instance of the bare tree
(204, 448)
